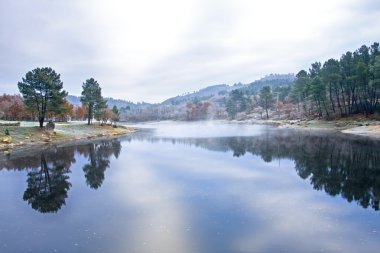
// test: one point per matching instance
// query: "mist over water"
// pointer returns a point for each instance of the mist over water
(203, 129)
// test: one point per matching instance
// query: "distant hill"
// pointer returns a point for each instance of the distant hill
(283, 77)
(213, 93)
(74, 100)
(199, 95)
(272, 80)
(120, 103)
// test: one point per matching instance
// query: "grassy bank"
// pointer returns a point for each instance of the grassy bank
(28, 135)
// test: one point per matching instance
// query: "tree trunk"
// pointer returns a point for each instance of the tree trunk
(89, 114)
(41, 120)
(344, 100)
(326, 110)
(338, 101)
(331, 98)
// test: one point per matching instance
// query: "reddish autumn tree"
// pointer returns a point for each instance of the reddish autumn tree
(198, 111)
(67, 110)
(12, 107)
(79, 112)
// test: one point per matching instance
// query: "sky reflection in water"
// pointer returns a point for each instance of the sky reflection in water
(171, 192)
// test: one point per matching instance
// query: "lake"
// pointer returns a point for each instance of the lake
(195, 187)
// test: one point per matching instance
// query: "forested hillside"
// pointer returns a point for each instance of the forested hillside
(211, 102)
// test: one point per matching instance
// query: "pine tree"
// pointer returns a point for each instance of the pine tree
(92, 99)
(266, 98)
(42, 92)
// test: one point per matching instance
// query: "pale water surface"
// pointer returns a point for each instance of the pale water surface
(196, 187)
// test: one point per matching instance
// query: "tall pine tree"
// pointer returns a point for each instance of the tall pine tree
(92, 98)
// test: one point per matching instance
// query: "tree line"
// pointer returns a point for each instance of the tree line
(43, 97)
(343, 87)
(336, 88)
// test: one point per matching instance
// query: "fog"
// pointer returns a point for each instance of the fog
(203, 129)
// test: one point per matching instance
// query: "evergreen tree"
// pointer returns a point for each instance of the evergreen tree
(331, 76)
(92, 99)
(42, 92)
(318, 94)
(266, 98)
(301, 89)
(115, 114)
(342, 87)
(237, 102)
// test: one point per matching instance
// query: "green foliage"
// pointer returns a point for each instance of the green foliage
(115, 111)
(6, 131)
(318, 94)
(266, 98)
(342, 87)
(115, 115)
(301, 89)
(92, 99)
(42, 92)
(237, 102)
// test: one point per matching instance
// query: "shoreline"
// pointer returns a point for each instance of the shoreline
(354, 126)
(365, 128)
(29, 138)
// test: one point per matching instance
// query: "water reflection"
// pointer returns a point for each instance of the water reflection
(48, 171)
(195, 195)
(98, 156)
(336, 163)
(48, 184)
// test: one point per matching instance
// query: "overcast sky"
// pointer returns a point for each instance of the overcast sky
(149, 50)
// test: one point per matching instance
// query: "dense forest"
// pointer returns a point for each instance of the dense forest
(337, 88)
(343, 87)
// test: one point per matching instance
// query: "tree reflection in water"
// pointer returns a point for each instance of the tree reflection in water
(98, 156)
(336, 163)
(48, 172)
(48, 185)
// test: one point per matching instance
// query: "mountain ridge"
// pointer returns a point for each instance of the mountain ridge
(273, 80)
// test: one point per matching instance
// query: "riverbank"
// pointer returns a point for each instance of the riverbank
(30, 137)
(357, 126)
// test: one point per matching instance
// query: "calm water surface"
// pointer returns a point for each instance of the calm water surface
(195, 187)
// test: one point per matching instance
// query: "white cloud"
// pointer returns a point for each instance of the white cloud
(150, 50)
